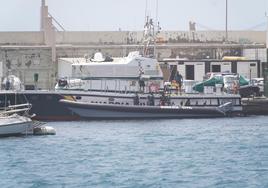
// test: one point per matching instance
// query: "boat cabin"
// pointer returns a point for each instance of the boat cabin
(99, 73)
(196, 69)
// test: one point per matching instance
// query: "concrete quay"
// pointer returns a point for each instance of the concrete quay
(255, 106)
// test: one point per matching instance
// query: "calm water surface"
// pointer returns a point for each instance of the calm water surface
(153, 153)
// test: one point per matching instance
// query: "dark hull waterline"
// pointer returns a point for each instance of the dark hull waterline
(108, 111)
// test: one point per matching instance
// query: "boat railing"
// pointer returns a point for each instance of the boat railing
(19, 106)
(14, 109)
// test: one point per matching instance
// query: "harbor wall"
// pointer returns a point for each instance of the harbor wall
(24, 62)
(21, 38)
(132, 37)
(25, 53)
(136, 37)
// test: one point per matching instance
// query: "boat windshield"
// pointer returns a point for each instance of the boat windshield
(229, 79)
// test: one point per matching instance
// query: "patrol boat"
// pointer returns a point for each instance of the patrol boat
(115, 81)
(118, 111)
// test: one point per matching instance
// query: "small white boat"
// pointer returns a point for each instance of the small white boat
(14, 121)
(15, 125)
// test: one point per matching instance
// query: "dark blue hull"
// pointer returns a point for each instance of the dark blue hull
(45, 106)
(113, 111)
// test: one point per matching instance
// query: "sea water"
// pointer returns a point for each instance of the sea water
(153, 153)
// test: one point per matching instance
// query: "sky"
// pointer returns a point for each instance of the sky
(129, 15)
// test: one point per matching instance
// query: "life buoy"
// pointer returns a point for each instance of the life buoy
(153, 87)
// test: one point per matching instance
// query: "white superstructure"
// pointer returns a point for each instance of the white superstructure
(116, 74)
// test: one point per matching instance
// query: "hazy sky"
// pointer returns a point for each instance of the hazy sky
(24, 15)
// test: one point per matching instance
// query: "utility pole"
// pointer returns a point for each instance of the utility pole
(43, 16)
(156, 30)
(226, 21)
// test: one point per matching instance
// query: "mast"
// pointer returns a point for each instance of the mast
(148, 36)
(151, 30)
(226, 21)
(156, 12)
(145, 15)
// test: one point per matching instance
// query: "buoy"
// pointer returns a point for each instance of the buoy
(44, 130)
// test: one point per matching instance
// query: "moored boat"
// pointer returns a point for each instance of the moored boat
(14, 125)
(14, 121)
(118, 111)
(46, 105)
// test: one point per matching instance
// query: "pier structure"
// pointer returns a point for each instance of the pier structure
(26, 54)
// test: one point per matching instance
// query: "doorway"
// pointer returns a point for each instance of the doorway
(173, 71)
(189, 72)
(216, 68)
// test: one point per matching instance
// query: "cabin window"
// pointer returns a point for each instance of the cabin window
(236, 101)
(189, 69)
(78, 97)
(29, 87)
(216, 68)
(252, 64)
(111, 99)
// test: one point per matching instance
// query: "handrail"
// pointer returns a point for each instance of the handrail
(19, 105)
(14, 111)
